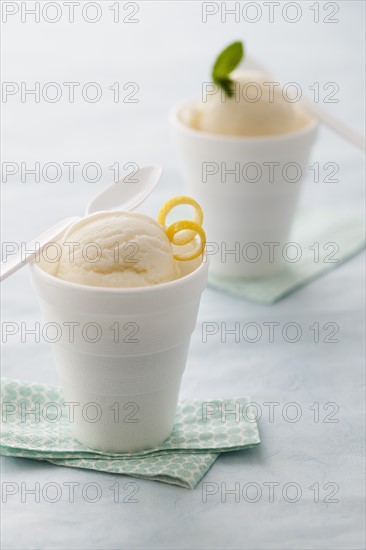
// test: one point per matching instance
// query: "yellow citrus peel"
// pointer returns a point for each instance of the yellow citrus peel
(188, 229)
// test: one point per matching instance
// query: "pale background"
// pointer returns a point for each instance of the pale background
(168, 53)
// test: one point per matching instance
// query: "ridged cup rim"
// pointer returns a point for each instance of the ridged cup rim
(40, 273)
(178, 123)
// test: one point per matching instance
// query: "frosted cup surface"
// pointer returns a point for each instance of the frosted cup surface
(120, 354)
(249, 189)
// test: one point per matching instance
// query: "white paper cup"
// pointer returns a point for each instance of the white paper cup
(249, 202)
(121, 368)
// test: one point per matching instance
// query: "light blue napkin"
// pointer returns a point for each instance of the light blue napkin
(201, 432)
(325, 241)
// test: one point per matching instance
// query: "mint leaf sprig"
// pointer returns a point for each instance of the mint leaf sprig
(226, 62)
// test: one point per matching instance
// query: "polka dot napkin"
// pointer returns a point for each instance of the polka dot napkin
(321, 241)
(201, 432)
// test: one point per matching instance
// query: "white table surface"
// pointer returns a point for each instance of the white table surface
(168, 53)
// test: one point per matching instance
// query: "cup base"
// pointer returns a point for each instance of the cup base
(123, 423)
(245, 270)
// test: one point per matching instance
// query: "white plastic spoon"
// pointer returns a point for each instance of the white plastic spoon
(342, 129)
(122, 195)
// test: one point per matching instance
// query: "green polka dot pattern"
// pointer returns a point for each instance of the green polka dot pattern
(203, 430)
(310, 227)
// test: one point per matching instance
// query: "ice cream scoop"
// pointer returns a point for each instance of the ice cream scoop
(117, 249)
(123, 194)
(258, 107)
